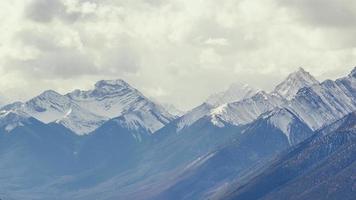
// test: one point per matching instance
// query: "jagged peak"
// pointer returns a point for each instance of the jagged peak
(111, 83)
(49, 92)
(112, 87)
(301, 73)
(105, 88)
(301, 70)
(261, 94)
(49, 96)
(294, 82)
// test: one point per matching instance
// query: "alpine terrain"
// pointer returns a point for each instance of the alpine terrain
(111, 142)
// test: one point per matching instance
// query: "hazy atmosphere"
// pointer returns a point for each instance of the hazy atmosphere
(178, 100)
(177, 51)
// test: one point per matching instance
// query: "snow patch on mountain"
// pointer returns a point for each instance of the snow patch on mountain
(216, 112)
(81, 121)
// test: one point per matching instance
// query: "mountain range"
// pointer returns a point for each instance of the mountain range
(112, 142)
(84, 111)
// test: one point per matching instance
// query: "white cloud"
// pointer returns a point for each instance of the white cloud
(180, 51)
(217, 41)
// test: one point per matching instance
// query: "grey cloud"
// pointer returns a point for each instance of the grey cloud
(59, 65)
(44, 10)
(237, 38)
(130, 3)
(329, 13)
(157, 2)
(57, 61)
(122, 56)
(36, 39)
(335, 20)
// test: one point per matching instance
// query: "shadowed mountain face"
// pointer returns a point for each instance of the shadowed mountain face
(33, 153)
(259, 142)
(115, 153)
(322, 167)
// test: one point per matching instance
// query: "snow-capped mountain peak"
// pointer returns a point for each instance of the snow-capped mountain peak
(324, 103)
(112, 83)
(294, 82)
(107, 87)
(114, 98)
(84, 111)
(104, 89)
(48, 106)
(109, 98)
(49, 94)
(235, 92)
(51, 106)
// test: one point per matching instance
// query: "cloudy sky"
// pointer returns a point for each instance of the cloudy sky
(177, 51)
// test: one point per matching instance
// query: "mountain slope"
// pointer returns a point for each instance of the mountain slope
(257, 143)
(327, 102)
(32, 152)
(322, 167)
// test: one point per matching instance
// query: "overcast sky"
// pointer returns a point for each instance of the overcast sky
(177, 51)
